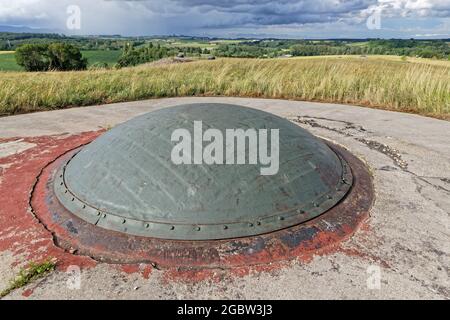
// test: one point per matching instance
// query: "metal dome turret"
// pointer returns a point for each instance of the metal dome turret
(127, 181)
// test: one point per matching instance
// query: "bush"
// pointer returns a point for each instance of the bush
(65, 57)
(33, 57)
(50, 57)
(134, 56)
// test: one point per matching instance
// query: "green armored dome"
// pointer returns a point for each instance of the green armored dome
(136, 178)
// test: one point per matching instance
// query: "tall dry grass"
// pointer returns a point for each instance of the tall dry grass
(401, 86)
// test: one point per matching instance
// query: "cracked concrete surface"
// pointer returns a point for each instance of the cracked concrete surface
(407, 236)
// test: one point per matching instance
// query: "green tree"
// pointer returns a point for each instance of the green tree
(65, 57)
(33, 57)
(54, 56)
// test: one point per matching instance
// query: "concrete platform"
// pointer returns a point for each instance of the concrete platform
(402, 251)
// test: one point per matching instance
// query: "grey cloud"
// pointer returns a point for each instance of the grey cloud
(213, 16)
(240, 13)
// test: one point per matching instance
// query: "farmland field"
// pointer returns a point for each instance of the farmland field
(8, 62)
(386, 83)
(199, 44)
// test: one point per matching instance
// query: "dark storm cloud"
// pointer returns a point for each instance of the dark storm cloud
(220, 17)
(254, 13)
(282, 12)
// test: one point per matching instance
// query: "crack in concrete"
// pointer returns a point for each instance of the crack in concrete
(424, 179)
(386, 150)
(390, 152)
(348, 125)
(55, 240)
(372, 144)
(445, 180)
(419, 189)
(313, 123)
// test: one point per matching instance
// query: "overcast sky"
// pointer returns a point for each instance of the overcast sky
(238, 18)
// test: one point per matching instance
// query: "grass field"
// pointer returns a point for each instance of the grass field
(380, 58)
(8, 61)
(421, 88)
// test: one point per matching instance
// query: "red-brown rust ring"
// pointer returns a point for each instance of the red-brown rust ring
(337, 224)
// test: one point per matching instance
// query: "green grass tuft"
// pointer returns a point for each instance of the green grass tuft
(32, 272)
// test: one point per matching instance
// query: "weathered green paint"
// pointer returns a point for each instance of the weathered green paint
(125, 180)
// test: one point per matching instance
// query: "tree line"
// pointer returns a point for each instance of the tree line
(61, 56)
(438, 49)
(64, 56)
(151, 52)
